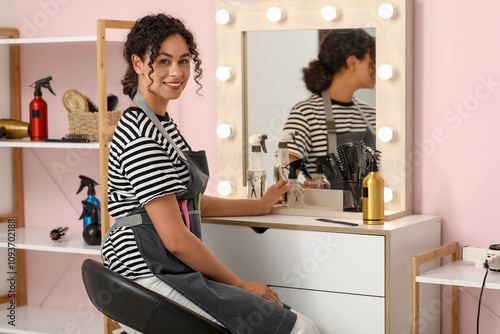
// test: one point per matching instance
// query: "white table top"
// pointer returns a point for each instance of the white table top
(461, 273)
(402, 224)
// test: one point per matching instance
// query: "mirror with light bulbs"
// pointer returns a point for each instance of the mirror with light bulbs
(392, 24)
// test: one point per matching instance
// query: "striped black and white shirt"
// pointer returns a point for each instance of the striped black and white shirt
(309, 119)
(142, 166)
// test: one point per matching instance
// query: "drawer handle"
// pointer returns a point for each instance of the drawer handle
(259, 230)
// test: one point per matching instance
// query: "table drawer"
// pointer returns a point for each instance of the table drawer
(337, 312)
(350, 263)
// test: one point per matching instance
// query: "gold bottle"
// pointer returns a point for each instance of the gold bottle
(373, 196)
(12, 129)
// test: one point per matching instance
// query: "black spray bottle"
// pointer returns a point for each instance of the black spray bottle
(88, 182)
(295, 196)
(92, 232)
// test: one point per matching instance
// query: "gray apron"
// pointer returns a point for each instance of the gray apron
(334, 139)
(238, 310)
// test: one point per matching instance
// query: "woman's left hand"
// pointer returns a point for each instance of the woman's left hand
(273, 195)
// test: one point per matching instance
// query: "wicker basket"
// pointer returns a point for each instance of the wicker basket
(87, 123)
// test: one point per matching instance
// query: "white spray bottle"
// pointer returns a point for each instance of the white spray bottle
(256, 173)
(282, 156)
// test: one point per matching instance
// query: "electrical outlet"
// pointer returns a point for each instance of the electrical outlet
(472, 254)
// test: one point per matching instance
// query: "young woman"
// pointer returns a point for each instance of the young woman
(155, 191)
(346, 63)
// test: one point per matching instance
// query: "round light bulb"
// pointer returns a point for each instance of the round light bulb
(386, 72)
(387, 11)
(224, 188)
(224, 131)
(330, 13)
(386, 134)
(275, 14)
(223, 16)
(389, 194)
(224, 73)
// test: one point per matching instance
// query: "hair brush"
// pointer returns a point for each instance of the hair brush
(58, 233)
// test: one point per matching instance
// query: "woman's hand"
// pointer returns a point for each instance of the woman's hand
(273, 196)
(261, 290)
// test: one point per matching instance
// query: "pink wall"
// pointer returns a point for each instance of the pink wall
(457, 90)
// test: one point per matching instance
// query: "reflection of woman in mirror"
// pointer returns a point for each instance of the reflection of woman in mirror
(346, 63)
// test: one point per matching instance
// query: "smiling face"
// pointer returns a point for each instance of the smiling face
(172, 69)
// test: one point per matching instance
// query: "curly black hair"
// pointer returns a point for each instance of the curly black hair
(337, 46)
(146, 35)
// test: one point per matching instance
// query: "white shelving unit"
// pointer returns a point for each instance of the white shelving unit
(39, 240)
(37, 320)
(460, 273)
(27, 143)
(44, 40)
(41, 320)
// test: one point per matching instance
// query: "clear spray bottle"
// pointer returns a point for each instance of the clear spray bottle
(319, 179)
(295, 195)
(256, 173)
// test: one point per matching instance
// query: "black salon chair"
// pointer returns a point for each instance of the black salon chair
(139, 308)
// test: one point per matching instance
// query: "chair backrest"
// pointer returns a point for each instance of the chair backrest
(139, 308)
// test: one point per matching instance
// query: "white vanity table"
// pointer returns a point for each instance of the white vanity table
(346, 279)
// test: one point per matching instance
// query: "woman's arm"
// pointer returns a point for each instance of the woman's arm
(215, 206)
(166, 217)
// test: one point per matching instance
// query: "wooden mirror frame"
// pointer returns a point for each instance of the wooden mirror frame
(394, 38)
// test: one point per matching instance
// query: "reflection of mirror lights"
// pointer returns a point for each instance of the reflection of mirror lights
(330, 13)
(224, 188)
(386, 134)
(223, 16)
(386, 72)
(275, 14)
(387, 11)
(224, 73)
(224, 131)
(389, 194)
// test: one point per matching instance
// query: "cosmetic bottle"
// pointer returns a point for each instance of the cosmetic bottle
(373, 196)
(294, 198)
(319, 180)
(256, 173)
(88, 182)
(38, 111)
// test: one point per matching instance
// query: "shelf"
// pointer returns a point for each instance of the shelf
(461, 273)
(43, 40)
(37, 320)
(27, 143)
(38, 239)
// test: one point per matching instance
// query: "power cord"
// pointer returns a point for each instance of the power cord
(487, 267)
